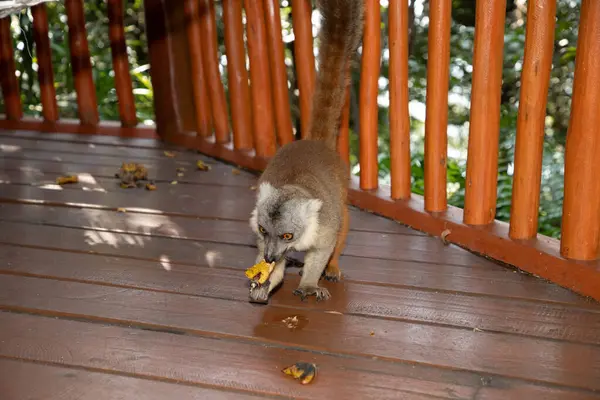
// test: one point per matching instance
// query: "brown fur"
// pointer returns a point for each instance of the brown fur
(338, 39)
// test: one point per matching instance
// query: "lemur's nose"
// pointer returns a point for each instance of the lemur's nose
(269, 258)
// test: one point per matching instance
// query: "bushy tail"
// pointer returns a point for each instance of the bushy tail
(339, 38)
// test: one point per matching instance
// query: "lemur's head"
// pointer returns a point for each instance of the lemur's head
(285, 219)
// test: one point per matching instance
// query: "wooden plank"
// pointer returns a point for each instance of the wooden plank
(532, 392)
(70, 126)
(209, 235)
(351, 336)
(219, 363)
(78, 138)
(61, 383)
(489, 281)
(93, 149)
(189, 202)
(35, 172)
(359, 243)
(534, 319)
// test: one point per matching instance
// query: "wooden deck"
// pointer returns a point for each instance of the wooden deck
(151, 303)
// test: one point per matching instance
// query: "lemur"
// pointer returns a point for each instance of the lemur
(302, 194)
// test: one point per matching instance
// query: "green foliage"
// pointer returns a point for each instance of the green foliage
(101, 59)
(462, 41)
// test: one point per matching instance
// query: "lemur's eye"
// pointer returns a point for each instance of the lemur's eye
(287, 236)
(261, 230)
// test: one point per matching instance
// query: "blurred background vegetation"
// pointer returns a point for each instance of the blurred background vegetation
(463, 21)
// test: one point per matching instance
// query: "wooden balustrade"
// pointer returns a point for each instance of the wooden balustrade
(199, 81)
(581, 214)
(484, 128)
(260, 81)
(531, 120)
(44, 60)
(305, 58)
(10, 85)
(436, 119)
(80, 62)
(212, 76)
(283, 117)
(369, 89)
(399, 117)
(239, 91)
(118, 48)
(261, 118)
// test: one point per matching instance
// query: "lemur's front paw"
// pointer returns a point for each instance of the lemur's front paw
(259, 293)
(319, 292)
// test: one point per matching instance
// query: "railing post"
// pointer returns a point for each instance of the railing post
(118, 48)
(10, 84)
(260, 81)
(210, 59)
(87, 103)
(44, 61)
(399, 117)
(199, 83)
(169, 66)
(484, 129)
(436, 119)
(535, 78)
(369, 78)
(283, 117)
(305, 59)
(239, 90)
(581, 207)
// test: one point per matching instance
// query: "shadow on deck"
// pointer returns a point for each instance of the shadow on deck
(152, 302)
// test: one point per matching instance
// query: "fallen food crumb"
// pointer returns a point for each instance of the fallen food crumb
(305, 372)
(372, 333)
(150, 186)
(130, 173)
(291, 322)
(121, 210)
(201, 166)
(62, 180)
(169, 154)
(252, 187)
(236, 171)
(173, 182)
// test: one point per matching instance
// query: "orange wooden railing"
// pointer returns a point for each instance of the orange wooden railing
(191, 110)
